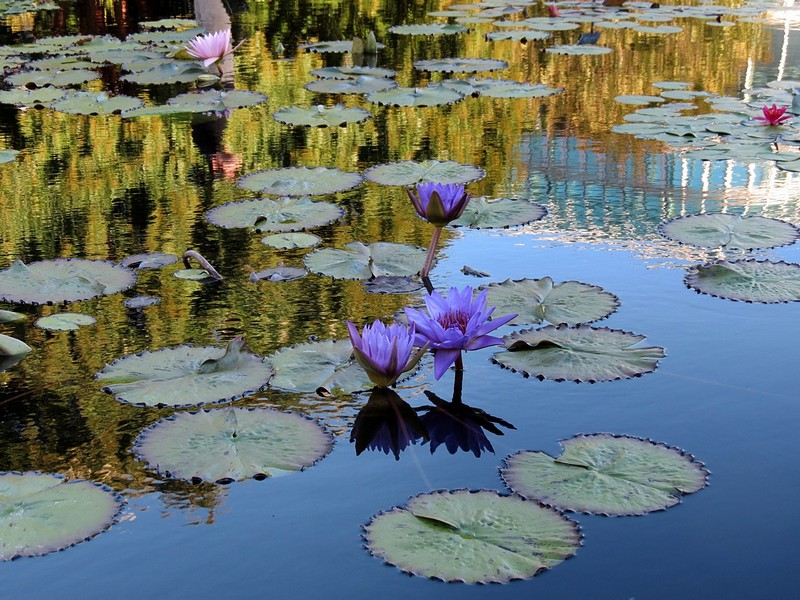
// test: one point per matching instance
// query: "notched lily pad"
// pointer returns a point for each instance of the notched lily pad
(275, 215)
(67, 321)
(715, 230)
(365, 261)
(321, 116)
(301, 181)
(186, 375)
(278, 274)
(409, 173)
(460, 65)
(290, 241)
(472, 537)
(148, 260)
(606, 474)
(747, 281)
(419, 97)
(487, 213)
(92, 103)
(43, 513)
(232, 444)
(578, 354)
(356, 85)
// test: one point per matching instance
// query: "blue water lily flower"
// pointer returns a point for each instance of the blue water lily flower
(439, 203)
(385, 351)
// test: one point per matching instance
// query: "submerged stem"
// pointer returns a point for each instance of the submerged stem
(437, 231)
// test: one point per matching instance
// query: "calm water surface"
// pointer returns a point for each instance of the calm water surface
(104, 187)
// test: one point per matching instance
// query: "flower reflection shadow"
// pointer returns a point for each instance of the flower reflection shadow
(386, 422)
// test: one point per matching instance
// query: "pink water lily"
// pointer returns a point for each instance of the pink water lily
(773, 115)
(385, 351)
(211, 47)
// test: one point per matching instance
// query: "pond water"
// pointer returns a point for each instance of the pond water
(104, 187)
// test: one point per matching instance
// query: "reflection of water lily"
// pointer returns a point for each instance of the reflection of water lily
(439, 203)
(385, 351)
(773, 115)
(211, 47)
(458, 322)
(387, 423)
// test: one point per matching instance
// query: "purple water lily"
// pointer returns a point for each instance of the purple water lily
(439, 203)
(385, 351)
(458, 322)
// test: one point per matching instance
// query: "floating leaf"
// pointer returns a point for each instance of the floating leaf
(232, 444)
(194, 275)
(218, 101)
(420, 97)
(67, 321)
(606, 474)
(289, 241)
(365, 261)
(639, 99)
(539, 300)
(60, 63)
(357, 85)
(748, 281)
(148, 260)
(168, 24)
(31, 98)
(460, 65)
(300, 181)
(485, 213)
(12, 351)
(574, 49)
(9, 316)
(716, 230)
(62, 280)
(161, 109)
(7, 156)
(175, 72)
(345, 72)
(427, 29)
(279, 274)
(141, 302)
(671, 85)
(519, 90)
(472, 537)
(409, 172)
(43, 513)
(325, 47)
(34, 79)
(578, 354)
(281, 215)
(92, 103)
(660, 29)
(518, 35)
(321, 116)
(186, 375)
(384, 284)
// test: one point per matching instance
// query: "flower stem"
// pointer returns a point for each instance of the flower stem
(459, 382)
(437, 231)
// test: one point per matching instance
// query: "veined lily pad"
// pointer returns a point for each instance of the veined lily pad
(345, 72)
(175, 72)
(289, 241)
(281, 215)
(748, 281)
(91, 103)
(427, 29)
(186, 375)
(232, 444)
(518, 35)
(578, 354)
(33, 79)
(62, 280)
(12, 351)
(424, 96)
(365, 261)
(460, 65)
(67, 321)
(717, 230)
(573, 49)
(217, 101)
(43, 513)
(148, 260)
(485, 213)
(7, 156)
(31, 98)
(321, 116)
(606, 474)
(539, 300)
(472, 537)
(356, 85)
(300, 181)
(278, 274)
(409, 172)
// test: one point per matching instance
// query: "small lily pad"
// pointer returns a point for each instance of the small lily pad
(67, 321)
(486, 213)
(289, 241)
(280, 215)
(9, 316)
(194, 275)
(715, 230)
(141, 302)
(232, 444)
(409, 173)
(186, 375)
(427, 29)
(91, 103)
(672, 85)
(365, 261)
(541, 300)
(419, 97)
(639, 99)
(518, 35)
(578, 354)
(331, 47)
(657, 29)
(606, 474)
(7, 156)
(574, 49)
(43, 513)
(747, 281)
(175, 72)
(148, 260)
(279, 274)
(519, 90)
(31, 98)
(356, 85)
(460, 65)
(345, 72)
(300, 181)
(321, 116)
(472, 537)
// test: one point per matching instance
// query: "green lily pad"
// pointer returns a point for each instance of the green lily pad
(194, 275)
(345, 72)
(427, 29)
(419, 97)
(747, 281)
(331, 47)
(290, 241)
(67, 321)
(43, 513)
(278, 274)
(7, 156)
(166, 38)
(9, 316)
(717, 230)
(186, 375)
(356, 85)
(321, 116)
(409, 172)
(606, 474)
(518, 35)
(281, 215)
(148, 260)
(639, 99)
(218, 101)
(519, 90)
(659, 29)
(34, 79)
(460, 65)
(791, 166)
(472, 537)
(168, 24)
(141, 302)
(300, 181)
(575, 49)
(139, 65)
(175, 72)
(232, 444)
(578, 354)
(327, 365)
(365, 261)
(671, 85)
(12, 351)
(683, 94)
(62, 280)
(161, 109)
(384, 284)
(541, 300)
(486, 213)
(31, 98)
(91, 103)
(61, 63)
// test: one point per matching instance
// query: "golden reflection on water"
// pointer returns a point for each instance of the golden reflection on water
(106, 187)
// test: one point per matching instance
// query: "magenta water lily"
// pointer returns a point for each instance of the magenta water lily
(459, 322)
(211, 47)
(773, 115)
(385, 352)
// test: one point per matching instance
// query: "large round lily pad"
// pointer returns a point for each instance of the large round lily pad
(232, 444)
(747, 280)
(321, 116)
(43, 513)
(43, 78)
(355, 85)
(365, 261)
(301, 181)
(460, 65)
(175, 72)
(472, 537)
(62, 280)
(66, 321)
(518, 35)
(327, 365)
(409, 172)
(487, 213)
(730, 231)
(280, 215)
(578, 354)
(539, 300)
(186, 375)
(606, 474)
(419, 97)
